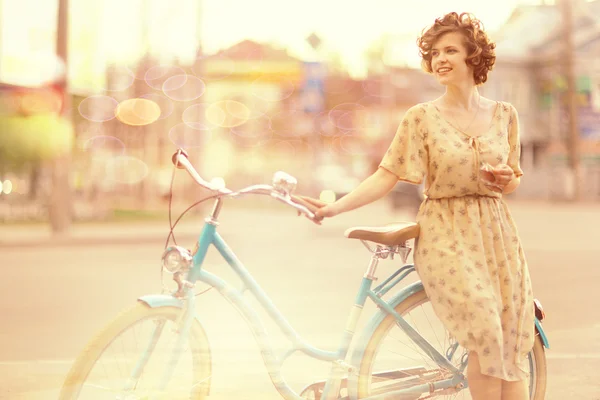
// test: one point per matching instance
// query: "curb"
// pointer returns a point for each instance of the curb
(89, 241)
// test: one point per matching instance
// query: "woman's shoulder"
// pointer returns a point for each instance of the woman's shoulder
(505, 106)
(420, 109)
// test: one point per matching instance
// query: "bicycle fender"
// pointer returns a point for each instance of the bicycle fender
(161, 300)
(164, 300)
(540, 331)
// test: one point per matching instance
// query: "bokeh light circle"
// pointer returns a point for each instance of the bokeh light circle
(195, 116)
(98, 108)
(156, 76)
(325, 126)
(6, 187)
(164, 103)
(343, 115)
(259, 107)
(227, 113)
(183, 87)
(137, 112)
(327, 196)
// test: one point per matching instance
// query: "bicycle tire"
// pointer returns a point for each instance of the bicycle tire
(417, 299)
(95, 348)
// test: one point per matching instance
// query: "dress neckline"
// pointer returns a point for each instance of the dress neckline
(437, 110)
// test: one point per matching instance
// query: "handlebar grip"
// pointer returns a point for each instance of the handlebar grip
(309, 203)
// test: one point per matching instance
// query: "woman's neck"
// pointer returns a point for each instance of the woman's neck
(465, 97)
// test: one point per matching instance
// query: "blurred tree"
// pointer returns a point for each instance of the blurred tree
(27, 140)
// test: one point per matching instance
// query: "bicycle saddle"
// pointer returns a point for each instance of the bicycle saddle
(389, 235)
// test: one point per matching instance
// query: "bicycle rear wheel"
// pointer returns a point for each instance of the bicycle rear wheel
(141, 338)
(391, 350)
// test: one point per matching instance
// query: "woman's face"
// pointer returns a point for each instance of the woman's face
(448, 59)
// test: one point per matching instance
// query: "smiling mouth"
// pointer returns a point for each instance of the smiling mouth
(444, 70)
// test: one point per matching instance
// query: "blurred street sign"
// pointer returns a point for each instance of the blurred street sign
(314, 40)
(313, 93)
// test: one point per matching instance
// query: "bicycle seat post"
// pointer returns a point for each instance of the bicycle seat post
(381, 252)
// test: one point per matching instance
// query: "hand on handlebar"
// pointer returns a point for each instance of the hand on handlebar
(321, 209)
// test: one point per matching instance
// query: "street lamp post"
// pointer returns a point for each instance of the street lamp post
(573, 129)
(60, 202)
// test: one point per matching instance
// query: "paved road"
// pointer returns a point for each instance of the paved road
(54, 297)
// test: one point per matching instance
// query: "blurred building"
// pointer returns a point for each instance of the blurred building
(529, 74)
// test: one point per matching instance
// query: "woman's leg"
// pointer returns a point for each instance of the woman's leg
(517, 390)
(482, 387)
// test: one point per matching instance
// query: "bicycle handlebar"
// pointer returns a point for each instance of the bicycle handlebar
(181, 161)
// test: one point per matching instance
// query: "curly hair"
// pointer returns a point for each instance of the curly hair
(480, 49)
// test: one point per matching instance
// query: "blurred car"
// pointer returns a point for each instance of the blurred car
(336, 178)
(407, 196)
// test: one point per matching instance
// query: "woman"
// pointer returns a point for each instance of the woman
(468, 255)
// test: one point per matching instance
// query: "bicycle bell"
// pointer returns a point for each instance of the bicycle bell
(284, 182)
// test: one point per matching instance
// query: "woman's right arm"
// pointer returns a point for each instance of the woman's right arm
(371, 189)
(407, 157)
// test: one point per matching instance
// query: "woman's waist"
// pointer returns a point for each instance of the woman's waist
(472, 196)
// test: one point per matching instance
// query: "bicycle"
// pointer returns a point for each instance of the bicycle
(366, 372)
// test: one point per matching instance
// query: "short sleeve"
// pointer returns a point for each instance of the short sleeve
(514, 142)
(406, 156)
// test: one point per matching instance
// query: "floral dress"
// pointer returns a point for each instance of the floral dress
(468, 254)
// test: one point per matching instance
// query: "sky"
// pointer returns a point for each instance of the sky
(121, 30)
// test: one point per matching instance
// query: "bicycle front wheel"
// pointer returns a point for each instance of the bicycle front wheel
(131, 355)
(392, 360)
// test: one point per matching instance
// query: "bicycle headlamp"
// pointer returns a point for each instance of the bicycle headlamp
(176, 258)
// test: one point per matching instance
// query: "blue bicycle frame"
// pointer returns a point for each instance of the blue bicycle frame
(340, 366)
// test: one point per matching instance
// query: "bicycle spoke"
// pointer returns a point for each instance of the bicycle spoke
(436, 336)
(391, 349)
